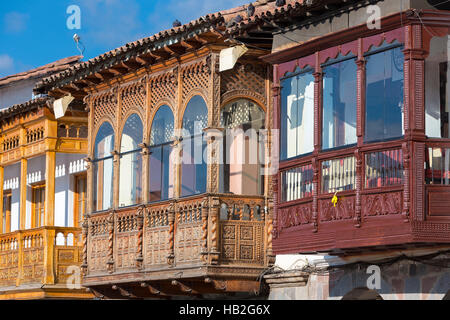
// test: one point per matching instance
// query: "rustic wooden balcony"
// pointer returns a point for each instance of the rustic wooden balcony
(190, 246)
(388, 196)
(38, 263)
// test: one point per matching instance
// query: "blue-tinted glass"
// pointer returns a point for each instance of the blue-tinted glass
(160, 187)
(384, 95)
(339, 104)
(104, 141)
(103, 184)
(194, 169)
(195, 117)
(162, 126)
(297, 115)
(132, 134)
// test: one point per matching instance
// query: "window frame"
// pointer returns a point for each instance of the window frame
(76, 201)
(40, 220)
(6, 214)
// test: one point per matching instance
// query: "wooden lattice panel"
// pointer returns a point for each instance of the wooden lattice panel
(98, 244)
(156, 248)
(125, 250)
(196, 76)
(163, 87)
(104, 104)
(9, 261)
(245, 77)
(133, 97)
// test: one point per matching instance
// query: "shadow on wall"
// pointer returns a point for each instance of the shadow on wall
(401, 280)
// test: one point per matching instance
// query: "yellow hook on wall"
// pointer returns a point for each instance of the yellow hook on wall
(335, 199)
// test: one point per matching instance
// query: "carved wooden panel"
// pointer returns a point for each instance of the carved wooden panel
(33, 259)
(125, 240)
(98, 244)
(195, 76)
(104, 104)
(188, 233)
(294, 216)
(156, 237)
(382, 204)
(242, 242)
(133, 96)
(9, 259)
(247, 79)
(345, 209)
(164, 87)
(65, 257)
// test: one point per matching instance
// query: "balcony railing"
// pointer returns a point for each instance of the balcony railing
(171, 237)
(38, 256)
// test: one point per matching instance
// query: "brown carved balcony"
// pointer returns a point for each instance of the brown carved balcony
(386, 197)
(41, 263)
(190, 246)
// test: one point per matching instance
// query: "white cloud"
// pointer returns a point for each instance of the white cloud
(6, 63)
(15, 22)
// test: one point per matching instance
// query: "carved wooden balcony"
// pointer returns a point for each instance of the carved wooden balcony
(191, 246)
(39, 263)
(387, 197)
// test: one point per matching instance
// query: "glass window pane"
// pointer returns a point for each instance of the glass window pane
(338, 175)
(437, 88)
(194, 168)
(297, 115)
(130, 187)
(104, 141)
(103, 184)
(339, 104)
(241, 171)
(132, 134)
(162, 126)
(384, 95)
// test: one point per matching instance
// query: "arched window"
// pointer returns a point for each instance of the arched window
(161, 140)
(130, 183)
(103, 167)
(194, 169)
(243, 152)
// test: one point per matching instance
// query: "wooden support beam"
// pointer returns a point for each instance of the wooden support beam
(184, 287)
(176, 51)
(145, 61)
(119, 70)
(152, 290)
(191, 44)
(124, 292)
(131, 65)
(218, 284)
(160, 54)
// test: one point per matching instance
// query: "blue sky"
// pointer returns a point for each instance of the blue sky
(34, 32)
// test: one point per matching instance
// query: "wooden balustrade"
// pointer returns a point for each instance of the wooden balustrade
(179, 233)
(40, 255)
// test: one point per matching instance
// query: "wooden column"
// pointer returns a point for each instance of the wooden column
(50, 164)
(19, 258)
(2, 171)
(90, 170)
(116, 181)
(205, 212)
(49, 256)
(23, 193)
(214, 232)
(276, 90)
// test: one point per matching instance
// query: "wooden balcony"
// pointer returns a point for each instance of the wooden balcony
(190, 246)
(39, 263)
(387, 197)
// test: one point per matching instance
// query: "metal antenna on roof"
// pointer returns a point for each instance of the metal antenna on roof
(77, 40)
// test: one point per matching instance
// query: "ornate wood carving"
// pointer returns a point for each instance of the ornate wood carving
(105, 105)
(171, 220)
(205, 211)
(133, 96)
(406, 181)
(295, 216)
(382, 204)
(345, 209)
(110, 262)
(214, 215)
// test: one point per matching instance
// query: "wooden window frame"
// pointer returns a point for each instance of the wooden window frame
(33, 206)
(7, 222)
(76, 198)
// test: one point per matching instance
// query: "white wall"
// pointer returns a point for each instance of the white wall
(12, 182)
(66, 166)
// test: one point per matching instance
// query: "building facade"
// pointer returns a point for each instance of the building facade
(361, 102)
(43, 179)
(174, 205)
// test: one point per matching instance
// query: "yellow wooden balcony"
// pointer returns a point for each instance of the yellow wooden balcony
(196, 245)
(41, 263)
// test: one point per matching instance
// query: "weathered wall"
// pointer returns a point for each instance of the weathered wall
(399, 280)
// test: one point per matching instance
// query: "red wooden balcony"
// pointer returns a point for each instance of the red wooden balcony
(196, 245)
(387, 196)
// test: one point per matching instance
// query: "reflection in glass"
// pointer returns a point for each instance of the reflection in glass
(130, 183)
(437, 88)
(339, 104)
(297, 115)
(384, 95)
(160, 164)
(243, 152)
(103, 168)
(194, 169)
